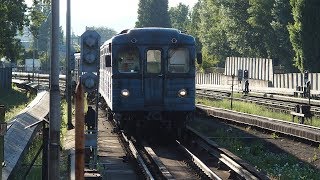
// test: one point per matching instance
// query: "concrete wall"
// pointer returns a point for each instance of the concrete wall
(258, 68)
(220, 79)
(209, 78)
(292, 80)
(288, 81)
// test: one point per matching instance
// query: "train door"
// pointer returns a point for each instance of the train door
(153, 78)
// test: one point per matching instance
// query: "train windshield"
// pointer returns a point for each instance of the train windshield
(128, 60)
(153, 61)
(178, 60)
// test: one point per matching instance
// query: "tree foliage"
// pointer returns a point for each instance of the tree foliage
(179, 16)
(283, 54)
(153, 13)
(40, 20)
(105, 32)
(12, 19)
(305, 34)
(245, 28)
(286, 31)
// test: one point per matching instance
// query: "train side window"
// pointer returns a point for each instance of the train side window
(128, 60)
(153, 61)
(108, 60)
(179, 61)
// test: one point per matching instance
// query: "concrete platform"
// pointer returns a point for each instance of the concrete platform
(112, 161)
(111, 155)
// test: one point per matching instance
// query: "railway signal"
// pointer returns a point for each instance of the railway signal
(246, 74)
(90, 55)
(306, 72)
(240, 75)
(72, 61)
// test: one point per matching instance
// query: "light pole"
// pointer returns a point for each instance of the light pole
(55, 110)
(232, 76)
(68, 73)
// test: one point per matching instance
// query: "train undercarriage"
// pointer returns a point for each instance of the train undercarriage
(151, 123)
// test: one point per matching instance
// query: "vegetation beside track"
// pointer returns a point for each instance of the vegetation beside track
(275, 163)
(252, 108)
(15, 101)
(64, 128)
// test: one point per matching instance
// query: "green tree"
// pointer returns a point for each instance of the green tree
(245, 28)
(234, 15)
(12, 19)
(305, 34)
(179, 17)
(260, 19)
(105, 32)
(194, 24)
(153, 13)
(283, 53)
(212, 34)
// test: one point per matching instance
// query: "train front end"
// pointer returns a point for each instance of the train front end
(153, 78)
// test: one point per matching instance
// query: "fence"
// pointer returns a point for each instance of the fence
(209, 78)
(5, 78)
(292, 80)
(258, 68)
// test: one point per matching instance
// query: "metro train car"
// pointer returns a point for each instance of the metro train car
(147, 78)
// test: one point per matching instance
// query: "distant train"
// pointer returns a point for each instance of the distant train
(147, 78)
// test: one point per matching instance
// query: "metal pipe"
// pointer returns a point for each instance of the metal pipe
(2, 120)
(79, 133)
(55, 110)
(45, 136)
(68, 73)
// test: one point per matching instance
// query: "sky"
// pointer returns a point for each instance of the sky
(115, 14)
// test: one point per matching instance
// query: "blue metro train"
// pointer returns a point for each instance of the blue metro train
(147, 78)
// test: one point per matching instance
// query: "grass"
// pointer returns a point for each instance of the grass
(36, 170)
(277, 165)
(64, 128)
(255, 109)
(15, 101)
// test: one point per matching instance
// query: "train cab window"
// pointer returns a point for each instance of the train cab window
(128, 60)
(153, 61)
(179, 61)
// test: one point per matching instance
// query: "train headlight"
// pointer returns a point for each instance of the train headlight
(182, 93)
(125, 92)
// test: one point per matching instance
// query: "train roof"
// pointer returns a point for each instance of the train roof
(152, 35)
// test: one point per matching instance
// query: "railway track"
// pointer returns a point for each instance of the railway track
(271, 102)
(309, 133)
(196, 157)
(162, 162)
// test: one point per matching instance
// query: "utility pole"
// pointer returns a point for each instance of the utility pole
(232, 89)
(68, 59)
(3, 130)
(55, 118)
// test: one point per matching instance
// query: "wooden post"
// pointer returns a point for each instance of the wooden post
(79, 133)
(2, 122)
